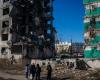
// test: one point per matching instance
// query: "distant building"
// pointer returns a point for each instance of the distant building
(62, 47)
(72, 49)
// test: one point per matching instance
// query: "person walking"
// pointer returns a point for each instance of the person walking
(49, 71)
(32, 71)
(38, 71)
(13, 59)
(27, 71)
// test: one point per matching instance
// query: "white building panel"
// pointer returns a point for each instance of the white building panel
(88, 48)
(92, 5)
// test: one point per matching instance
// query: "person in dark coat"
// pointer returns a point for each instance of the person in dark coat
(32, 70)
(78, 64)
(71, 65)
(38, 71)
(27, 71)
(49, 71)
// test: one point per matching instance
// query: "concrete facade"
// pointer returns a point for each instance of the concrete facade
(5, 25)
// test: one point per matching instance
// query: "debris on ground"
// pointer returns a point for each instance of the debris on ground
(60, 72)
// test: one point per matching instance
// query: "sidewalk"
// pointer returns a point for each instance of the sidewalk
(7, 76)
(10, 76)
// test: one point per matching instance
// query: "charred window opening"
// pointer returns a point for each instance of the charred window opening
(17, 49)
(21, 31)
(3, 49)
(6, 11)
(93, 21)
(30, 18)
(5, 24)
(4, 37)
(5, 1)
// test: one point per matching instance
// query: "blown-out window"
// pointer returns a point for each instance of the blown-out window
(17, 49)
(5, 24)
(5, 1)
(6, 11)
(4, 37)
(3, 49)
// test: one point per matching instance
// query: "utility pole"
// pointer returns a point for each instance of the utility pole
(71, 49)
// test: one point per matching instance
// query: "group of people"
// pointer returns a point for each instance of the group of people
(79, 64)
(35, 71)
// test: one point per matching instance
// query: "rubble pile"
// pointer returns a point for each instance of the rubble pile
(86, 75)
(62, 73)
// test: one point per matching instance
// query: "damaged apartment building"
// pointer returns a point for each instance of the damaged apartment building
(26, 28)
(92, 28)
